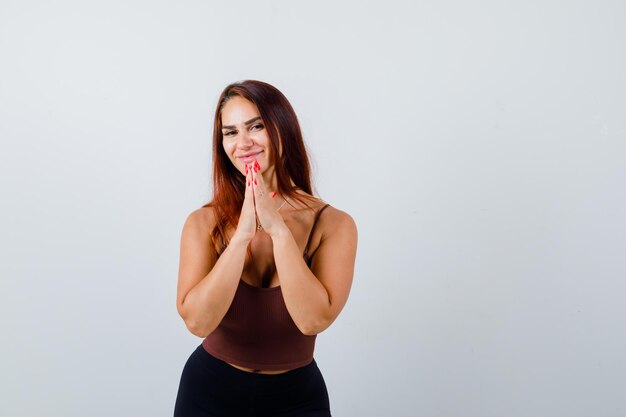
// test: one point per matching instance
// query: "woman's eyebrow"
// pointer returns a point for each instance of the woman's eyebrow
(254, 119)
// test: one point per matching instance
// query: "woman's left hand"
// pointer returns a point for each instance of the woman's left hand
(265, 206)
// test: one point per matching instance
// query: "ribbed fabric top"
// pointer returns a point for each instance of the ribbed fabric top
(257, 331)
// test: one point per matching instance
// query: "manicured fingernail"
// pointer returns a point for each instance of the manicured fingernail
(255, 181)
(248, 183)
(274, 194)
(246, 169)
(256, 165)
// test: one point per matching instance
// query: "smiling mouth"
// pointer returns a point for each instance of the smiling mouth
(249, 158)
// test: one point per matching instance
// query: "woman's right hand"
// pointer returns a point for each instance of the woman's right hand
(246, 228)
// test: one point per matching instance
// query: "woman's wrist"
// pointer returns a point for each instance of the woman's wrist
(240, 239)
(279, 231)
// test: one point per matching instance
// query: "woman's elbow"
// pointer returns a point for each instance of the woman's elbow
(198, 330)
(314, 327)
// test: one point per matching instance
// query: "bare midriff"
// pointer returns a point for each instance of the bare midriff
(257, 371)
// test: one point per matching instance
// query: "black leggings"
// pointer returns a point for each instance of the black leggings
(210, 387)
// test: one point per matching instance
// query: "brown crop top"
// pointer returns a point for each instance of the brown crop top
(257, 331)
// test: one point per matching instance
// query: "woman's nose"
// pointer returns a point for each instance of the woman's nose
(245, 140)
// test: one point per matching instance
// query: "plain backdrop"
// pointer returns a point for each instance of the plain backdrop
(479, 145)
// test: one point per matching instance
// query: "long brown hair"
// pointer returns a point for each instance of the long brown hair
(292, 167)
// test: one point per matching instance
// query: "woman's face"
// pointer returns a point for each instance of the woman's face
(245, 138)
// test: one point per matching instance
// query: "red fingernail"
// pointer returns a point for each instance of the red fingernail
(274, 194)
(255, 181)
(246, 169)
(256, 165)
(248, 183)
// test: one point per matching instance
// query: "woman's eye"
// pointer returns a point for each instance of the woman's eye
(229, 133)
(257, 126)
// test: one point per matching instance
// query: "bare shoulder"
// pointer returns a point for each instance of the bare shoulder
(333, 217)
(201, 220)
(336, 226)
(197, 229)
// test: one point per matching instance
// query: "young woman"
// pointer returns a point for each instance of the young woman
(264, 267)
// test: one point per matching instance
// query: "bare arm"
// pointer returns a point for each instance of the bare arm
(206, 287)
(207, 284)
(315, 297)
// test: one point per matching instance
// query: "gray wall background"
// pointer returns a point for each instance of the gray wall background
(480, 146)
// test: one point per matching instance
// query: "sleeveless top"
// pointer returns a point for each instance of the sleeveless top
(257, 331)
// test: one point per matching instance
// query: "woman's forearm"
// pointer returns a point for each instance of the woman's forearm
(305, 297)
(206, 304)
